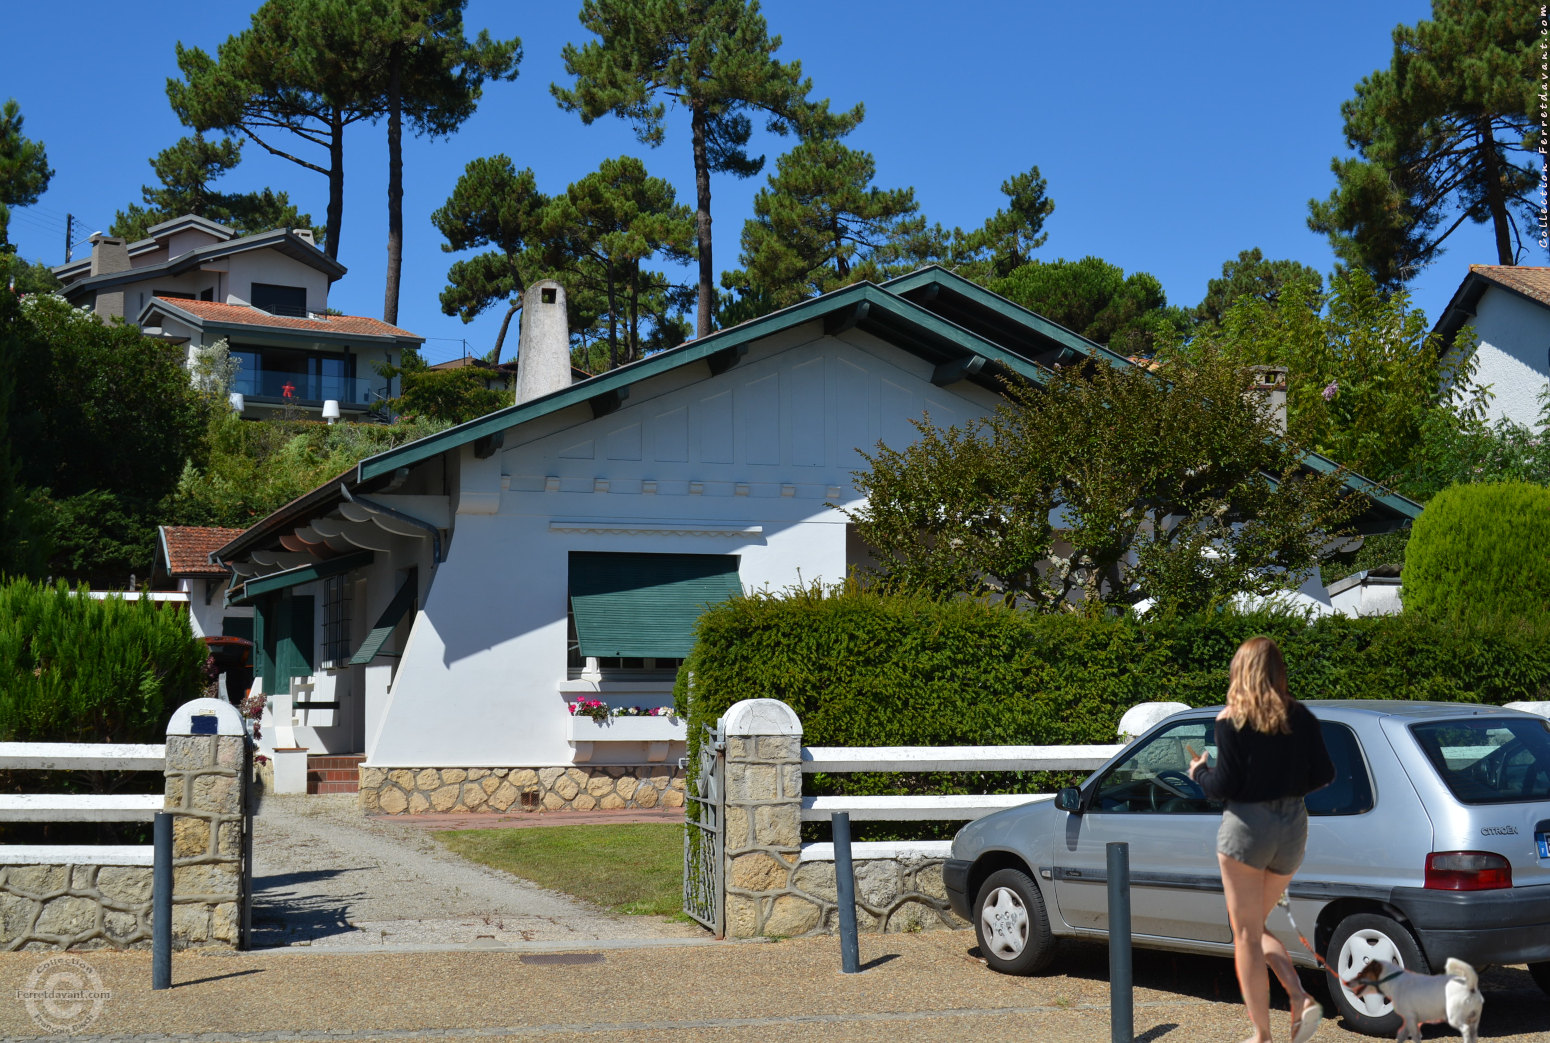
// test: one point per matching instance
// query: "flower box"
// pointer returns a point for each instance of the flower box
(658, 733)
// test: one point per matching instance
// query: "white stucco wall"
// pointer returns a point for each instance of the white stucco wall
(267, 266)
(1514, 354)
(683, 467)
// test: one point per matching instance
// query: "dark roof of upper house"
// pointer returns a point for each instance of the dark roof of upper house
(203, 314)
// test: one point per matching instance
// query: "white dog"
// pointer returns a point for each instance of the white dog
(1420, 999)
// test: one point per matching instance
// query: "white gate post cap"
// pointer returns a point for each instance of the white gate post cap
(228, 721)
(761, 717)
(1143, 716)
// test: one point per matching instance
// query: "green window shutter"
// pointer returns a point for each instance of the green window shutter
(264, 641)
(294, 650)
(645, 604)
(386, 623)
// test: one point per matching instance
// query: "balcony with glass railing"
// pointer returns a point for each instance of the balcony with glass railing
(307, 390)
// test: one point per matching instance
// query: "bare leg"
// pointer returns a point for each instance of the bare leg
(1275, 952)
(1244, 887)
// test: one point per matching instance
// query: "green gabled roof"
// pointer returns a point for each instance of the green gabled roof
(970, 305)
(862, 306)
(1401, 505)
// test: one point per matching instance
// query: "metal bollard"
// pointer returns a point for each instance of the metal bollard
(1122, 1016)
(845, 884)
(161, 903)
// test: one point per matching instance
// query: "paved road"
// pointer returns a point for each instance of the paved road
(921, 987)
(325, 876)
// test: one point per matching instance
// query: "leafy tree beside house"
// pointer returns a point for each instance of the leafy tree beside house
(1104, 486)
(1129, 314)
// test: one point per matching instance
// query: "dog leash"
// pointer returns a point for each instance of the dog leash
(1285, 903)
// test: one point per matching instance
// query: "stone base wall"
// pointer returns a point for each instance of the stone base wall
(75, 907)
(417, 791)
(892, 895)
(207, 778)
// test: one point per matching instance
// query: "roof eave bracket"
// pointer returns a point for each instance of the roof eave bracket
(847, 318)
(608, 401)
(952, 371)
(723, 360)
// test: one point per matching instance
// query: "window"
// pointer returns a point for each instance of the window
(1351, 792)
(280, 300)
(1486, 760)
(1155, 777)
(336, 619)
(637, 611)
(299, 376)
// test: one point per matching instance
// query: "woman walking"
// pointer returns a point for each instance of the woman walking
(1269, 755)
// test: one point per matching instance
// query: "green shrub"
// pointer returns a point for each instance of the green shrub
(1479, 554)
(73, 669)
(864, 669)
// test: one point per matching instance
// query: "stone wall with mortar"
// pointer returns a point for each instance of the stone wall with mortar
(415, 791)
(770, 891)
(64, 906)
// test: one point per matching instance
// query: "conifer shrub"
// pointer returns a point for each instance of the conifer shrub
(1480, 554)
(73, 669)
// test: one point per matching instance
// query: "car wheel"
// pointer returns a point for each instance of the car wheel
(1358, 940)
(1011, 923)
(1541, 975)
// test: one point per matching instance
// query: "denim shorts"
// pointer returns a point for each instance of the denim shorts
(1269, 834)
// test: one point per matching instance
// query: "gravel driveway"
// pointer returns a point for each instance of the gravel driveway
(326, 876)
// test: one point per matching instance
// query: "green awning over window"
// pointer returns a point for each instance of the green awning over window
(386, 623)
(258, 586)
(645, 604)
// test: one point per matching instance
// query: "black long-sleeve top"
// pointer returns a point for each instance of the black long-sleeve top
(1253, 766)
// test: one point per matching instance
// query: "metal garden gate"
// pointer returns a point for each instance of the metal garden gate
(704, 834)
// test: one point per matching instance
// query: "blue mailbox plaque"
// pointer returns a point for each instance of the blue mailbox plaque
(204, 724)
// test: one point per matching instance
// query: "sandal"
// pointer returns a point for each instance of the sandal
(1307, 1023)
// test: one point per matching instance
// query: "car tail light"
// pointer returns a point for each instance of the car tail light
(1467, 871)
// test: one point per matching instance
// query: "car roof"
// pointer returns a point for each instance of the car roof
(1393, 708)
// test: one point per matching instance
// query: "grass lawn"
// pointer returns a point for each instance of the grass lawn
(635, 868)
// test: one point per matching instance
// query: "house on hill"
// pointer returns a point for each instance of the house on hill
(1509, 309)
(194, 282)
(442, 603)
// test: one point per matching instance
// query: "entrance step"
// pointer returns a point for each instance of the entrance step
(334, 772)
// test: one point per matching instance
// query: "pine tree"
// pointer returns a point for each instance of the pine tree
(24, 169)
(188, 170)
(1447, 132)
(715, 58)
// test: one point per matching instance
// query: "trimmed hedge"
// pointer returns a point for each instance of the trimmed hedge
(863, 669)
(73, 669)
(1481, 552)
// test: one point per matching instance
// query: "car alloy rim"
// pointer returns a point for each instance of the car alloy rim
(1358, 950)
(1004, 921)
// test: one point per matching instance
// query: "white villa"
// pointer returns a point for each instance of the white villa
(195, 282)
(436, 608)
(1509, 309)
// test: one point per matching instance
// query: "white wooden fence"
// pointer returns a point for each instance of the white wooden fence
(85, 807)
(964, 807)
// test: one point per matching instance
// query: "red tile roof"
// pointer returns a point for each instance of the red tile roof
(1531, 282)
(189, 548)
(244, 315)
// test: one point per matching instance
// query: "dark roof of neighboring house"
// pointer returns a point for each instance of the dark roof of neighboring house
(214, 313)
(186, 549)
(965, 331)
(281, 240)
(1529, 282)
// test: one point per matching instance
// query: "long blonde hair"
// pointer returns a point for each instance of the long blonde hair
(1256, 688)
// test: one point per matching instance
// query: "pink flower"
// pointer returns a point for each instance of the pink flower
(1331, 390)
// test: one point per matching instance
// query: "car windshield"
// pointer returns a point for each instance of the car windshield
(1489, 760)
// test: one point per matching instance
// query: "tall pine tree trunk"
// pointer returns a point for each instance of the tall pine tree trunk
(613, 321)
(335, 182)
(632, 341)
(702, 221)
(1495, 198)
(500, 338)
(395, 245)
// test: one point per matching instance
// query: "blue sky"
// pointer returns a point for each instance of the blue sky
(1172, 135)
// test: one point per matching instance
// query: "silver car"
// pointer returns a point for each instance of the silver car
(1433, 841)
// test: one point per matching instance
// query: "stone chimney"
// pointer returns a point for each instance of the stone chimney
(543, 342)
(109, 254)
(1270, 382)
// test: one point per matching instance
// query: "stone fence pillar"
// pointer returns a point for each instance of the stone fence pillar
(763, 837)
(208, 789)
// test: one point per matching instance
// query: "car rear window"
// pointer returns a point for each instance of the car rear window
(1351, 792)
(1489, 760)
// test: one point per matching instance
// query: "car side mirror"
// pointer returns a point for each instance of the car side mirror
(1069, 799)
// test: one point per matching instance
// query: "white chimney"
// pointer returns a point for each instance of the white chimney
(543, 342)
(304, 234)
(1270, 382)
